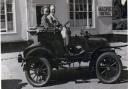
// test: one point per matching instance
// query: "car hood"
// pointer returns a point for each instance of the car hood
(97, 42)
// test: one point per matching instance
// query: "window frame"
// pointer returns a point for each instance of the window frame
(87, 11)
(13, 20)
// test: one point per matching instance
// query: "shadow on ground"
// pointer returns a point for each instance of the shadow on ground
(124, 76)
(63, 76)
(79, 76)
(12, 84)
(67, 75)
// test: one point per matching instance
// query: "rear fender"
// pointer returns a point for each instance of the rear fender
(40, 51)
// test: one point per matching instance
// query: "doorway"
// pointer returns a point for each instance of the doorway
(38, 14)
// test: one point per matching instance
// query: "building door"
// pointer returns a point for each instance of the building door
(38, 14)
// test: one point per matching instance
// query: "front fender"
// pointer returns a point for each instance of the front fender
(99, 51)
(107, 49)
(95, 54)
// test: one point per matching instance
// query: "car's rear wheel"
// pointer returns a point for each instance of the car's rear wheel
(38, 72)
(108, 67)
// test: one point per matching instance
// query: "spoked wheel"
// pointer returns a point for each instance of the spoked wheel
(108, 67)
(38, 72)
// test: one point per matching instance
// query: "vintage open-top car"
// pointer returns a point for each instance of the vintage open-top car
(50, 52)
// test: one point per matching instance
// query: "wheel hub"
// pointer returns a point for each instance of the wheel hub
(108, 68)
(38, 72)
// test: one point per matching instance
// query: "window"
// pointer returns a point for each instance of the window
(81, 13)
(7, 16)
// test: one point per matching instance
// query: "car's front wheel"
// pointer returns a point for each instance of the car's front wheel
(108, 67)
(38, 72)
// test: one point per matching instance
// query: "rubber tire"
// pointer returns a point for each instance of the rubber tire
(45, 61)
(114, 79)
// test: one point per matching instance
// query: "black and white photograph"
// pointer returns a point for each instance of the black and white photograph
(64, 44)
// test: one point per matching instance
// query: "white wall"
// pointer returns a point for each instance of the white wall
(43, 1)
(104, 24)
(24, 19)
(31, 13)
(62, 11)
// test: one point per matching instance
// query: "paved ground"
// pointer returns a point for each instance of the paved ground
(13, 77)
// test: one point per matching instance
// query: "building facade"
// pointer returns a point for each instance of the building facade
(13, 20)
(18, 15)
(82, 14)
